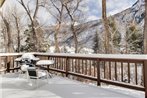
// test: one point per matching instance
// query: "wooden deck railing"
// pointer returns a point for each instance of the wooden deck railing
(7, 61)
(128, 71)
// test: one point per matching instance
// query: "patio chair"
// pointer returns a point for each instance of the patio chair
(24, 63)
(35, 74)
(23, 71)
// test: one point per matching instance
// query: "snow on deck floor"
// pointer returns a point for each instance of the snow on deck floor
(58, 87)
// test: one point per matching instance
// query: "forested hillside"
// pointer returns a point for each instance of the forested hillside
(70, 32)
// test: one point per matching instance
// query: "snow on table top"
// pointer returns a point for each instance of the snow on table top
(45, 62)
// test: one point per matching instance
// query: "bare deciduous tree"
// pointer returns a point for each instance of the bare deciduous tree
(18, 29)
(7, 33)
(58, 15)
(72, 8)
(35, 28)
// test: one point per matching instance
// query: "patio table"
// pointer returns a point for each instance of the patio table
(45, 62)
(42, 63)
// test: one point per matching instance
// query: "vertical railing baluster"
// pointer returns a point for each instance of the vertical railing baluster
(98, 73)
(8, 63)
(136, 75)
(58, 61)
(145, 76)
(94, 65)
(82, 66)
(128, 72)
(86, 66)
(109, 70)
(64, 65)
(61, 64)
(72, 65)
(90, 62)
(17, 64)
(13, 63)
(56, 58)
(67, 66)
(104, 69)
(115, 70)
(122, 71)
(78, 63)
(48, 57)
(54, 61)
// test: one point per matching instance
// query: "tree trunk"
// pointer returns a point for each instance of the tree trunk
(75, 38)
(145, 48)
(8, 34)
(145, 29)
(18, 34)
(57, 49)
(106, 27)
(106, 35)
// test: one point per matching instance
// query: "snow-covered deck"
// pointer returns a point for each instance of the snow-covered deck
(58, 87)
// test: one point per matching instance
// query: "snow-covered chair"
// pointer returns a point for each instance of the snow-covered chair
(25, 61)
(33, 73)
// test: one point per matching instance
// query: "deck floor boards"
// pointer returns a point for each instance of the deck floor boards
(58, 87)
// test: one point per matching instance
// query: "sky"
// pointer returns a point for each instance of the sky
(113, 7)
(93, 7)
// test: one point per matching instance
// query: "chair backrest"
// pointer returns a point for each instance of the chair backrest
(32, 72)
(24, 67)
(26, 60)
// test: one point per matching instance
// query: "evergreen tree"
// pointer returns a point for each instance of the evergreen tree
(96, 46)
(134, 39)
(29, 42)
(115, 38)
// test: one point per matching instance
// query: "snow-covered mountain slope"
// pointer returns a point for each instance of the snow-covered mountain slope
(87, 32)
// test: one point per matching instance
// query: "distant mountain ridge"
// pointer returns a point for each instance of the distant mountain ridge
(86, 35)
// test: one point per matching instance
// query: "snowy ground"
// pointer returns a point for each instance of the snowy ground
(58, 87)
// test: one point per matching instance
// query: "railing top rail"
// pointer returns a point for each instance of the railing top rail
(10, 54)
(15, 54)
(100, 56)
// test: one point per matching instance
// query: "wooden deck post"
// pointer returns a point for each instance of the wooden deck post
(98, 73)
(145, 77)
